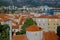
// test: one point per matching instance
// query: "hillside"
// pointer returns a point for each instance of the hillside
(32, 3)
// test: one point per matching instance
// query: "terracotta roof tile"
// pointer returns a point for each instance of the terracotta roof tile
(19, 37)
(50, 36)
(22, 20)
(33, 28)
(15, 26)
(46, 36)
(3, 18)
(17, 17)
(48, 16)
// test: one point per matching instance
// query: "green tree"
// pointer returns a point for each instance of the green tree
(28, 22)
(4, 32)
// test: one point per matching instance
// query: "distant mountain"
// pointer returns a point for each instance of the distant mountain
(32, 3)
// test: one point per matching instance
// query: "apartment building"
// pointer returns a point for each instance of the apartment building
(53, 23)
(41, 21)
(48, 22)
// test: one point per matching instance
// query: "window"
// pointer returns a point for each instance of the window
(48, 23)
(54, 24)
(57, 24)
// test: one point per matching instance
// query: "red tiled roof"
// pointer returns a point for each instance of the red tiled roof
(14, 22)
(17, 17)
(19, 37)
(3, 18)
(48, 16)
(33, 28)
(15, 26)
(30, 15)
(50, 36)
(22, 20)
(46, 36)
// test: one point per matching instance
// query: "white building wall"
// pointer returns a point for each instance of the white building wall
(42, 22)
(15, 30)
